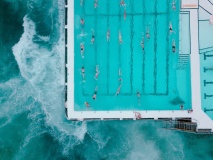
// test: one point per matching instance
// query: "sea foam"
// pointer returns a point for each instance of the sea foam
(43, 69)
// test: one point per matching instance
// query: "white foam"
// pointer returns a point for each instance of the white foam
(142, 147)
(44, 38)
(43, 69)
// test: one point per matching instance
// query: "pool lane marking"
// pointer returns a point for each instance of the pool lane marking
(108, 6)
(126, 94)
(131, 45)
(144, 57)
(129, 14)
(83, 40)
(155, 48)
(95, 44)
(168, 50)
(119, 48)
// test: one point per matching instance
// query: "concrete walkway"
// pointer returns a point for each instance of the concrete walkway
(206, 5)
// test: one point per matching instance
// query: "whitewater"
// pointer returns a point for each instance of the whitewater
(33, 124)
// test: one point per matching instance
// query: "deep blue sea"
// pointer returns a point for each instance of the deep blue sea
(33, 125)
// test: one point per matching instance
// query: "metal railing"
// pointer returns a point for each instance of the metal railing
(180, 125)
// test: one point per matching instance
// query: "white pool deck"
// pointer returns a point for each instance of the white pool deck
(203, 121)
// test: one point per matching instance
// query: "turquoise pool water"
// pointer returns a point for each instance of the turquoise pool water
(151, 71)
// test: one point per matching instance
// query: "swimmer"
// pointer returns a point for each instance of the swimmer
(170, 28)
(86, 104)
(82, 50)
(139, 96)
(124, 14)
(120, 79)
(181, 107)
(97, 72)
(122, 3)
(95, 93)
(118, 90)
(120, 37)
(93, 37)
(82, 21)
(174, 5)
(96, 4)
(142, 43)
(119, 72)
(173, 46)
(108, 35)
(147, 33)
(83, 72)
(81, 2)
(119, 75)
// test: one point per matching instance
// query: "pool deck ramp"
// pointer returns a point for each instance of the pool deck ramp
(197, 115)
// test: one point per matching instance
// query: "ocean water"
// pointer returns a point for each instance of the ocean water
(32, 118)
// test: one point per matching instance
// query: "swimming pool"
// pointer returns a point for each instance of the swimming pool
(152, 72)
(206, 55)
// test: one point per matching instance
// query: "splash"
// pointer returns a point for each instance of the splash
(43, 68)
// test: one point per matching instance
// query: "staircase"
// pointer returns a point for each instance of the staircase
(181, 125)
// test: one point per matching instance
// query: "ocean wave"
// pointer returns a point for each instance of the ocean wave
(43, 69)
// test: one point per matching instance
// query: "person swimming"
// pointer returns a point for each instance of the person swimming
(139, 96)
(93, 37)
(82, 21)
(108, 35)
(174, 5)
(119, 75)
(120, 79)
(122, 3)
(82, 72)
(82, 50)
(147, 33)
(170, 28)
(81, 2)
(120, 37)
(124, 14)
(95, 3)
(95, 93)
(142, 43)
(118, 90)
(119, 72)
(173, 46)
(87, 104)
(97, 72)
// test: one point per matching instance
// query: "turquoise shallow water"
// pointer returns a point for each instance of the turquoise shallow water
(32, 119)
(151, 71)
